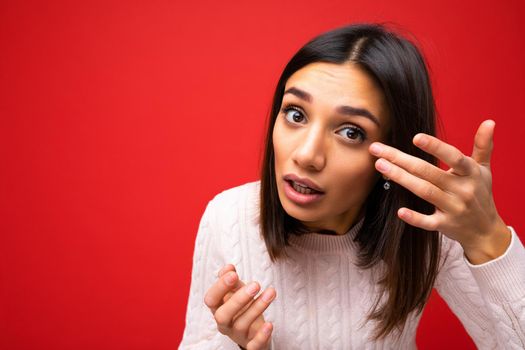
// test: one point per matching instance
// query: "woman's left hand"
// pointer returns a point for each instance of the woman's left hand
(465, 209)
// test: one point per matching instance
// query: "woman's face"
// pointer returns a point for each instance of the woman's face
(330, 114)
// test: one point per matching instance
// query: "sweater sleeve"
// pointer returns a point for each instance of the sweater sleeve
(201, 329)
(489, 298)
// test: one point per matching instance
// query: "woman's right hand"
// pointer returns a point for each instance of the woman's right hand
(237, 313)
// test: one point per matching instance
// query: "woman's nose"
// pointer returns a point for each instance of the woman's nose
(310, 152)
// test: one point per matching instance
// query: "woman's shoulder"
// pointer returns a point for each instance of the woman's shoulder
(236, 202)
(237, 194)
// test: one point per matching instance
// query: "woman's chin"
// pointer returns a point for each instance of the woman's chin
(302, 215)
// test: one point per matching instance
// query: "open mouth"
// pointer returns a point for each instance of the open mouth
(302, 188)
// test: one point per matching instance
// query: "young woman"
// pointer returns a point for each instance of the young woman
(352, 224)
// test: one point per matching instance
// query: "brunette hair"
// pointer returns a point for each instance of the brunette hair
(410, 255)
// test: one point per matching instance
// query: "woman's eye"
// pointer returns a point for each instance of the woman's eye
(352, 133)
(293, 115)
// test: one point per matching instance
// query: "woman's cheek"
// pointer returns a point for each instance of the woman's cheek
(361, 173)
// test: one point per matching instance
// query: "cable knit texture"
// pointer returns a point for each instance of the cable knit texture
(323, 297)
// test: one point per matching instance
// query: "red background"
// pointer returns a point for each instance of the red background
(120, 120)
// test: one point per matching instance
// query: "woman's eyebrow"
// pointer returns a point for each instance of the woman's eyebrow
(303, 95)
(347, 110)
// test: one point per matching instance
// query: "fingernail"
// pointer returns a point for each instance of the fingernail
(267, 328)
(382, 165)
(230, 278)
(376, 149)
(421, 140)
(251, 289)
(220, 273)
(405, 214)
(267, 296)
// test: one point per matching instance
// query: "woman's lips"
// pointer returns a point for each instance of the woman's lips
(298, 197)
(302, 181)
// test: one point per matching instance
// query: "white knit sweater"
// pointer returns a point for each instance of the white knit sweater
(323, 298)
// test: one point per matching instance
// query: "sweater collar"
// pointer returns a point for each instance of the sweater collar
(325, 243)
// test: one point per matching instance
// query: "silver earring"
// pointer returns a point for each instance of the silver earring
(386, 185)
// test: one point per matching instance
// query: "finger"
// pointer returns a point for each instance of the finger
(238, 284)
(450, 155)
(421, 188)
(243, 322)
(484, 142)
(262, 338)
(413, 165)
(214, 296)
(226, 268)
(426, 222)
(226, 312)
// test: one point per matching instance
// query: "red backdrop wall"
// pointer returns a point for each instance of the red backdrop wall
(121, 120)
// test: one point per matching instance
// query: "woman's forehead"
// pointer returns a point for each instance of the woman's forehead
(338, 84)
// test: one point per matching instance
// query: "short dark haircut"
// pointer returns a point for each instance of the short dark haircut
(410, 255)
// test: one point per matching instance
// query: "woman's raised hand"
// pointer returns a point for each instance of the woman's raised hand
(465, 209)
(237, 313)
